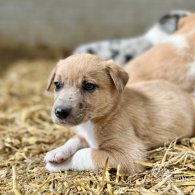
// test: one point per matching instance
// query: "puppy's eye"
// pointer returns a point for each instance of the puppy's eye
(57, 86)
(89, 87)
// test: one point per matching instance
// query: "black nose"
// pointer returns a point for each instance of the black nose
(62, 113)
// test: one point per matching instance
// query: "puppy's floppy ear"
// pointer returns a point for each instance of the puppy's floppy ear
(118, 75)
(51, 78)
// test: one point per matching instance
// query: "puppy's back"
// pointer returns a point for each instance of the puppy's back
(165, 111)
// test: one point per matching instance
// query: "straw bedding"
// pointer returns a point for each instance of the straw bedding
(27, 133)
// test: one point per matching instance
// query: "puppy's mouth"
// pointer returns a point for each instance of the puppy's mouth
(70, 121)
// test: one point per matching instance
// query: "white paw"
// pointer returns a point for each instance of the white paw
(81, 160)
(53, 167)
(58, 155)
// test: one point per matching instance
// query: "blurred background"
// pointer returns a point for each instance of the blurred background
(52, 29)
(34, 34)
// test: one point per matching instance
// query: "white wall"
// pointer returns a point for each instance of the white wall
(66, 23)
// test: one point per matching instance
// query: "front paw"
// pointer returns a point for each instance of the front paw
(57, 155)
(51, 167)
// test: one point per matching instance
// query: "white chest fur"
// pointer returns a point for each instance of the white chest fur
(86, 130)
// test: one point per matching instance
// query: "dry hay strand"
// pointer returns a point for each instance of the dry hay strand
(27, 133)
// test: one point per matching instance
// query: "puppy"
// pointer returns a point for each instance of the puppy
(124, 50)
(109, 120)
(173, 59)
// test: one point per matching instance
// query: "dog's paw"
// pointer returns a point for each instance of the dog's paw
(57, 155)
(53, 167)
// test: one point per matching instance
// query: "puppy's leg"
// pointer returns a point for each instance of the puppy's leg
(64, 152)
(92, 159)
(81, 160)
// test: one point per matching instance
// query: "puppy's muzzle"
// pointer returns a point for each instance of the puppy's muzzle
(62, 113)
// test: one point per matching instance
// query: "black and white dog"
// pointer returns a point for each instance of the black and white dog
(124, 50)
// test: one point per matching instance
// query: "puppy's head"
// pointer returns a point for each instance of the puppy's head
(86, 88)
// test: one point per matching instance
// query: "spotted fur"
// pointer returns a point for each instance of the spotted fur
(124, 50)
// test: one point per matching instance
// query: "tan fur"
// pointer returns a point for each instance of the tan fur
(166, 61)
(51, 78)
(127, 121)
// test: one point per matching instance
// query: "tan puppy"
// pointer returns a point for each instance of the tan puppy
(172, 60)
(110, 120)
